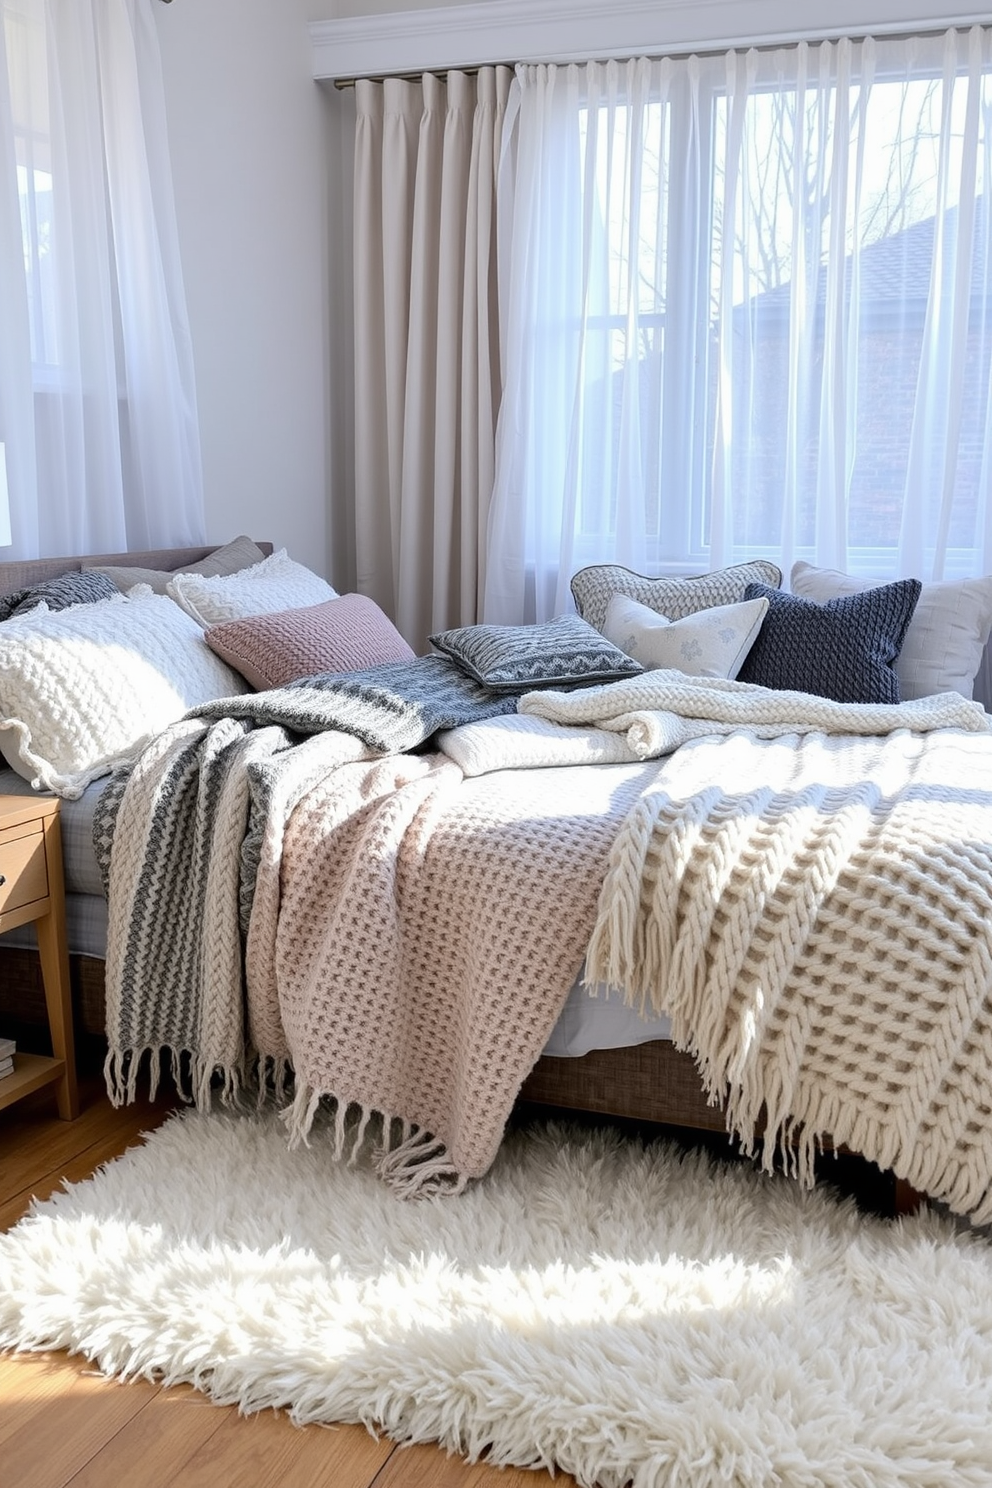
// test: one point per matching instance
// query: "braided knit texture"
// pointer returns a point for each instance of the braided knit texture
(815, 914)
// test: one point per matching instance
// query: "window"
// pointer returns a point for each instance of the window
(749, 313)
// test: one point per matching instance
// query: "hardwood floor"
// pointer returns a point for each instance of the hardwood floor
(61, 1424)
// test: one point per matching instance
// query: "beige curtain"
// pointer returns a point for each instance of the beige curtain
(427, 379)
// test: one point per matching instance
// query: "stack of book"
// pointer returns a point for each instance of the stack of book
(7, 1048)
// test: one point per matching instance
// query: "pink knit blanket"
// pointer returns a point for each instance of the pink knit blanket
(418, 947)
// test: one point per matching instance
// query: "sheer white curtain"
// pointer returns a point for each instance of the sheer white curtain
(97, 397)
(426, 345)
(746, 309)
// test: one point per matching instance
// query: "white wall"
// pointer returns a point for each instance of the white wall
(248, 131)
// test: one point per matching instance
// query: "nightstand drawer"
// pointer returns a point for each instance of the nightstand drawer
(23, 871)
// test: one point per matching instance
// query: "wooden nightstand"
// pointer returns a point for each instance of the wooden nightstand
(31, 889)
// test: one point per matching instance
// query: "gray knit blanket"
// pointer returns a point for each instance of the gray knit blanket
(179, 831)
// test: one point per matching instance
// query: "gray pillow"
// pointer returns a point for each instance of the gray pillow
(60, 593)
(594, 587)
(844, 649)
(513, 658)
(240, 553)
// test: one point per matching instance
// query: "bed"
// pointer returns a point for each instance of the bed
(600, 1055)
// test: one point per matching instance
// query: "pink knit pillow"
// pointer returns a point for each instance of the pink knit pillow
(346, 634)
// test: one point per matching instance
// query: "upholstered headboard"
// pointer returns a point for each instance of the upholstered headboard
(21, 574)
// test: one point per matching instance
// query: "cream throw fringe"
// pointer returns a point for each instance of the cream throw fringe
(814, 913)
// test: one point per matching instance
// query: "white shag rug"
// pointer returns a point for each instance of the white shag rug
(618, 1310)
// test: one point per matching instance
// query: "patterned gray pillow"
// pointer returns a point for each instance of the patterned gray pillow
(594, 587)
(844, 649)
(513, 658)
(60, 593)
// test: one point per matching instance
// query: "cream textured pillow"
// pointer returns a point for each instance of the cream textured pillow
(348, 634)
(943, 647)
(710, 643)
(277, 583)
(83, 688)
(593, 588)
(239, 553)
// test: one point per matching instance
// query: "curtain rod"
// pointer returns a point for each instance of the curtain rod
(415, 77)
(677, 53)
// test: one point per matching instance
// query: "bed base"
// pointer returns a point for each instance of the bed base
(24, 993)
(650, 1082)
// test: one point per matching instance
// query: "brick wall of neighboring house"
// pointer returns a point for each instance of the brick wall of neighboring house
(888, 378)
(895, 280)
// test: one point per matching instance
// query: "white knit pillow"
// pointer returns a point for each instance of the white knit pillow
(277, 583)
(81, 689)
(710, 643)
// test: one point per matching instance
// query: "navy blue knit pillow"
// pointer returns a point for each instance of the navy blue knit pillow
(843, 649)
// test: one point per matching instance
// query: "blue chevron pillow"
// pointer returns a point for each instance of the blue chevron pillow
(512, 658)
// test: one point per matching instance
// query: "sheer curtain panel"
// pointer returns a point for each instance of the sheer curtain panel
(97, 397)
(746, 310)
(427, 378)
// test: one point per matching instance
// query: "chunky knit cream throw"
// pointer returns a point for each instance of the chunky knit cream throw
(660, 710)
(814, 912)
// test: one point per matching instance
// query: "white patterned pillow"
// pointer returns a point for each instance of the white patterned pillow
(83, 688)
(710, 643)
(593, 588)
(512, 658)
(277, 583)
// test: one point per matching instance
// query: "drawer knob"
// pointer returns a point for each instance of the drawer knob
(3, 879)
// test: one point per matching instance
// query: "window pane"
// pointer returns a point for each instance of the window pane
(859, 278)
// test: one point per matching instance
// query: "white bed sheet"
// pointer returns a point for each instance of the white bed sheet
(601, 1022)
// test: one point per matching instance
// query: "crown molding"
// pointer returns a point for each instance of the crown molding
(471, 35)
